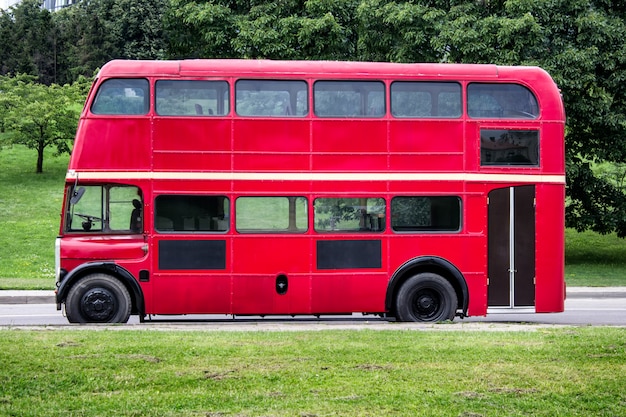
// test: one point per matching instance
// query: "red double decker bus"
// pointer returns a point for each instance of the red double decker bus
(418, 192)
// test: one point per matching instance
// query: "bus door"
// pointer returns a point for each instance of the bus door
(511, 247)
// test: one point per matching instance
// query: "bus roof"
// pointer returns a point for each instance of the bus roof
(246, 67)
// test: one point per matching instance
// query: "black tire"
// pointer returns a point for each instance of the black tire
(426, 297)
(98, 298)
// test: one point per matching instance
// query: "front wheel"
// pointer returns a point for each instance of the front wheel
(98, 298)
(426, 297)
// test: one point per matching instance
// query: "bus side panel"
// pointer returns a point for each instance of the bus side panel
(112, 143)
(550, 248)
(552, 161)
(466, 253)
(260, 265)
(426, 145)
(271, 144)
(355, 145)
(350, 273)
(349, 291)
(197, 144)
(190, 274)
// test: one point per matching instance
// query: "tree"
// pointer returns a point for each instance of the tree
(579, 42)
(290, 29)
(40, 116)
(28, 35)
(94, 32)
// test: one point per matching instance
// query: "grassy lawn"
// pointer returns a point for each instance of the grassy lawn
(564, 372)
(30, 206)
(594, 260)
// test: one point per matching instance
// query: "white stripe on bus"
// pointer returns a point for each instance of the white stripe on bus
(314, 176)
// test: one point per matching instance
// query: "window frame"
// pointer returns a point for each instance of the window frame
(221, 217)
(519, 114)
(426, 83)
(225, 105)
(288, 109)
(292, 217)
(362, 112)
(413, 229)
(105, 208)
(368, 221)
(103, 87)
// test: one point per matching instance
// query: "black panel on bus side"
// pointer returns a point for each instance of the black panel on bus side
(192, 254)
(347, 254)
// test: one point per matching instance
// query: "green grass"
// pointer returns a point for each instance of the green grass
(30, 206)
(563, 372)
(594, 260)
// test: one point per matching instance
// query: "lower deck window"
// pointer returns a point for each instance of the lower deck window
(426, 214)
(191, 213)
(349, 214)
(271, 214)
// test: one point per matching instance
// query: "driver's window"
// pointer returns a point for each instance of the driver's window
(105, 208)
(85, 212)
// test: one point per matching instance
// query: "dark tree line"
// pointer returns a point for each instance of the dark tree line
(580, 42)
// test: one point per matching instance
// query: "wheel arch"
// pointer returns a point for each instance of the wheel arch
(109, 268)
(433, 264)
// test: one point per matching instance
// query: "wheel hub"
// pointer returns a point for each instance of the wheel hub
(426, 304)
(98, 304)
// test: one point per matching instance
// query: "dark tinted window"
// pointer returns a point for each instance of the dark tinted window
(509, 147)
(501, 101)
(191, 213)
(426, 214)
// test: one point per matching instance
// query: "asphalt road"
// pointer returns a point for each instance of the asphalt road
(578, 311)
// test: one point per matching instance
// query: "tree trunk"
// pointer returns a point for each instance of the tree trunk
(40, 147)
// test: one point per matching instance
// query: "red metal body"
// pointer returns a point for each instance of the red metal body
(314, 157)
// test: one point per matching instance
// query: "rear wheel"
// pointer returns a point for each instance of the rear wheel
(98, 298)
(426, 297)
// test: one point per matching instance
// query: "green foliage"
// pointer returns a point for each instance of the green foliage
(27, 41)
(561, 372)
(40, 116)
(580, 42)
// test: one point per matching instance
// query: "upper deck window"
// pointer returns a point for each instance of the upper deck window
(426, 99)
(509, 147)
(192, 98)
(501, 101)
(122, 96)
(349, 98)
(271, 98)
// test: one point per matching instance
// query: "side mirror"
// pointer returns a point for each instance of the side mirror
(77, 195)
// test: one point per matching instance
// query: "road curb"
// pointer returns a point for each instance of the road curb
(596, 292)
(48, 297)
(27, 297)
